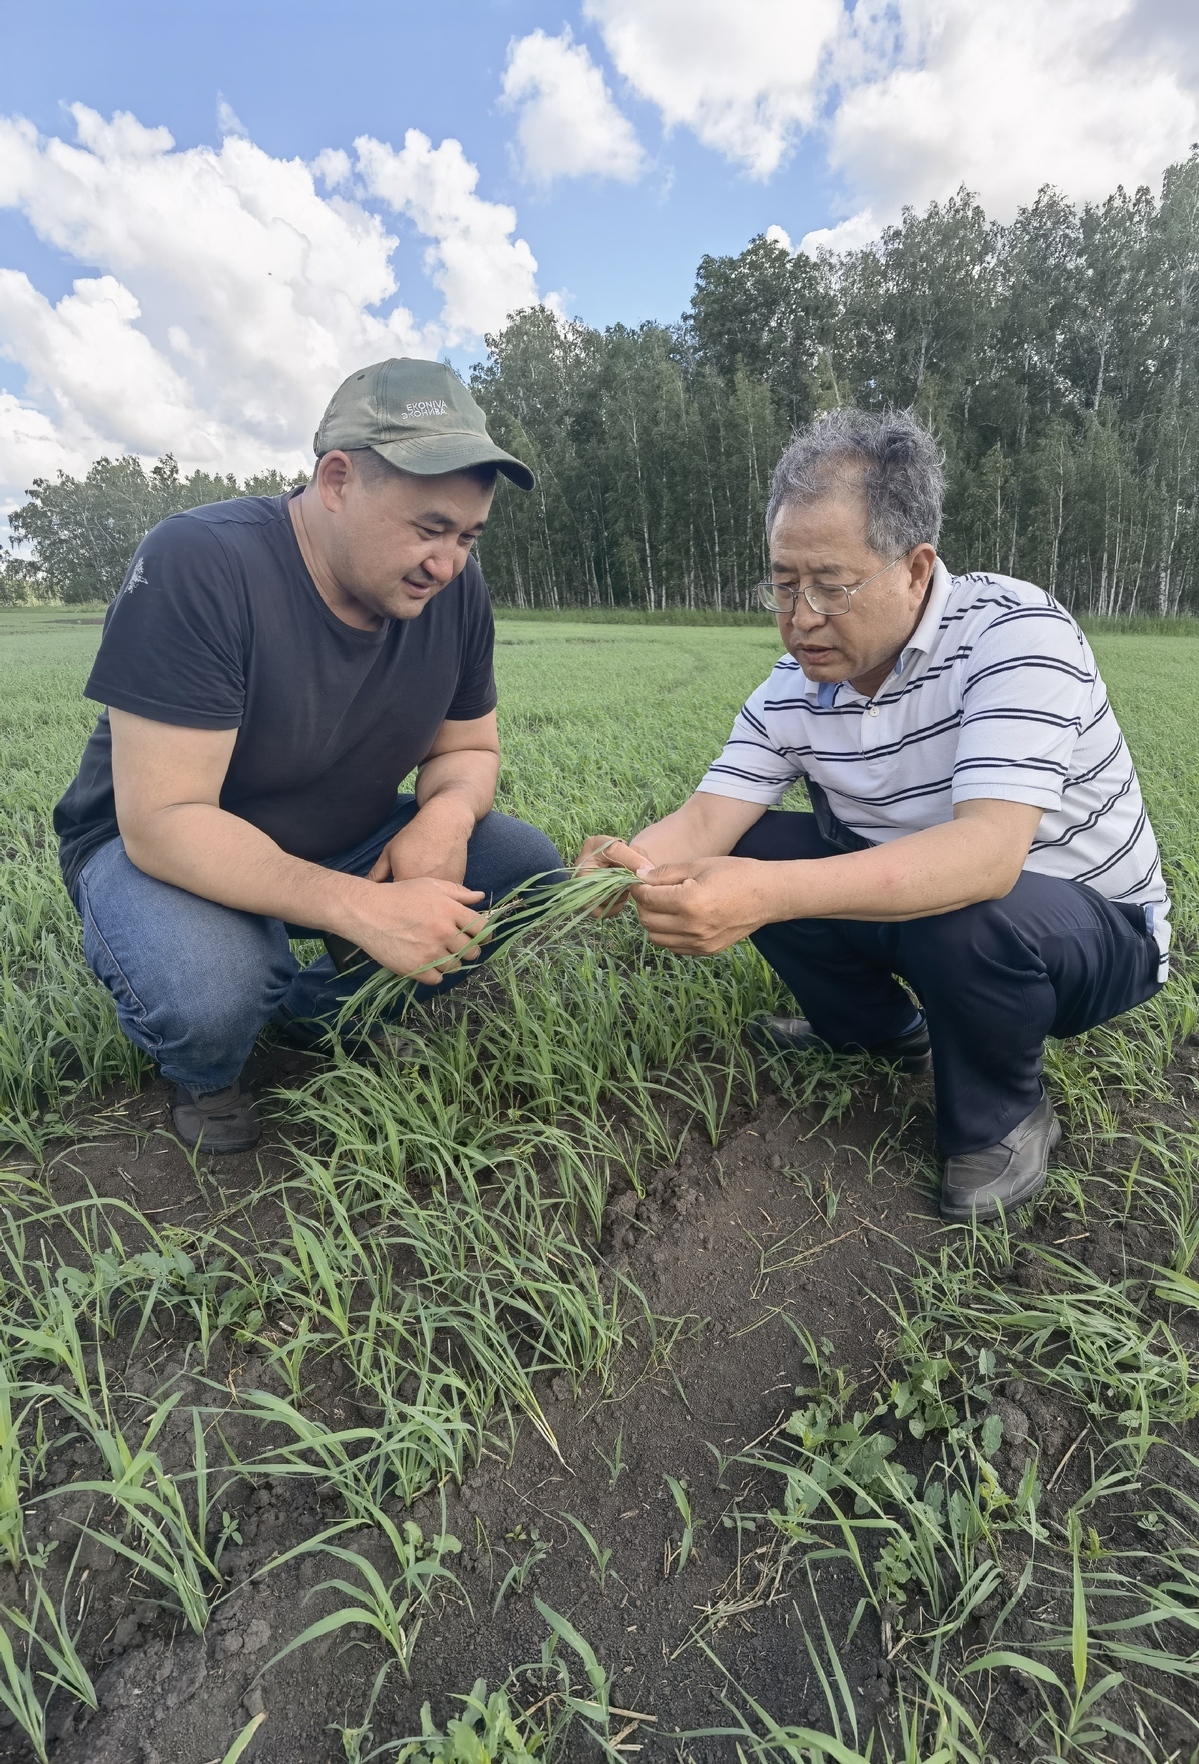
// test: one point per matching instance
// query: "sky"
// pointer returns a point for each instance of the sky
(211, 213)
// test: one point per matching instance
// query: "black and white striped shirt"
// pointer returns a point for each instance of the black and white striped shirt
(996, 695)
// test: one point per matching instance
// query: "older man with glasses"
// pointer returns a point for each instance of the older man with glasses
(978, 872)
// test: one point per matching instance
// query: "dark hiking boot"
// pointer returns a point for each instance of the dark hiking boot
(216, 1121)
(909, 1052)
(977, 1185)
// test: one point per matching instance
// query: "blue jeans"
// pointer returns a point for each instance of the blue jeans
(1053, 957)
(195, 982)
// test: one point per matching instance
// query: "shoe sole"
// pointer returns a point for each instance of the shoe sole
(981, 1213)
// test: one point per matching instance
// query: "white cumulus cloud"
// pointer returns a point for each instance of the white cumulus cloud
(222, 294)
(912, 98)
(848, 235)
(745, 77)
(483, 272)
(568, 123)
(1004, 96)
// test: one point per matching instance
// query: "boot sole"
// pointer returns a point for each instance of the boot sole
(983, 1212)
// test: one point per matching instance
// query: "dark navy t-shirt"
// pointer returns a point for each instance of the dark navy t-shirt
(219, 626)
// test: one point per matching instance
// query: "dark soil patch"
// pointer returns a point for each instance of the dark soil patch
(786, 1226)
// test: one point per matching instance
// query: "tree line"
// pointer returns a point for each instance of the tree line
(77, 535)
(1056, 357)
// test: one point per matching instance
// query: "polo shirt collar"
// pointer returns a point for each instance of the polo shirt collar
(922, 640)
(925, 635)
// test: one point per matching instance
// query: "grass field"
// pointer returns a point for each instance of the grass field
(580, 1357)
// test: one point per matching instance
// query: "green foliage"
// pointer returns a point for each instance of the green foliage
(487, 1732)
(838, 1444)
(691, 1524)
(386, 1609)
(82, 532)
(237, 1749)
(21, 582)
(766, 313)
(1057, 358)
(652, 473)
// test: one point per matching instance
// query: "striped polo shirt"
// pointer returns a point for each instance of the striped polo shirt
(996, 695)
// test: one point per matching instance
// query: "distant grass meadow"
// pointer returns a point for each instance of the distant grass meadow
(586, 1064)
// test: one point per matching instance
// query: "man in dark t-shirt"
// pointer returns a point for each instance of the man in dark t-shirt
(273, 669)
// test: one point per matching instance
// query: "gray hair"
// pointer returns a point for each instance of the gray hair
(888, 455)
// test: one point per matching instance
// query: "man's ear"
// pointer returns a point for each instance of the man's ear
(334, 472)
(923, 561)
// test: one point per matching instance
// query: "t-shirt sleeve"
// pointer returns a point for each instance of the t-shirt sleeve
(753, 767)
(475, 692)
(1029, 686)
(173, 648)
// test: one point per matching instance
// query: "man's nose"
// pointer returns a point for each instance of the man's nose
(440, 565)
(805, 618)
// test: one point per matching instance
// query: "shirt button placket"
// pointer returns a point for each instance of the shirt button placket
(869, 712)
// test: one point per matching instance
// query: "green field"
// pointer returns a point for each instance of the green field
(426, 1241)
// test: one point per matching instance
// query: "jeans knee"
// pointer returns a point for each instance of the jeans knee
(184, 972)
(505, 853)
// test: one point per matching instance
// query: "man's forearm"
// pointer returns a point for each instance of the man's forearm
(918, 876)
(222, 858)
(705, 826)
(461, 782)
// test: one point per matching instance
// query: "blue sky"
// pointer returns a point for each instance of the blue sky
(299, 85)
(209, 213)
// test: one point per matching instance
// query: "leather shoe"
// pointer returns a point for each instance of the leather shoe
(978, 1184)
(216, 1120)
(909, 1052)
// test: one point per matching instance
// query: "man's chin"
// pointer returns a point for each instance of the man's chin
(403, 602)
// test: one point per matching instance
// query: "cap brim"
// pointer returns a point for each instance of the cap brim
(431, 455)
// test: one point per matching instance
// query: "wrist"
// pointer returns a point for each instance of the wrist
(347, 905)
(451, 809)
(780, 891)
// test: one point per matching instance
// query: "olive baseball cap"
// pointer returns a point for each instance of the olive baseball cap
(419, 416)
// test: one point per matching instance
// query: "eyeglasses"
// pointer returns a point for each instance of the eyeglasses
(822, 597)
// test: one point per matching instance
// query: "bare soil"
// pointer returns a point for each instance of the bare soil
(732, 1247)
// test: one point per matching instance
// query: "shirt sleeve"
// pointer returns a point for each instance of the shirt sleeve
(475, 693)
(173, 648)
(753, 768)
(1029, 688)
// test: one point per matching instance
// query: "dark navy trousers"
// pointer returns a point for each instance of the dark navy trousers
(994, 979)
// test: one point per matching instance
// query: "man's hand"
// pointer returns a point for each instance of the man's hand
(418, 927)
(432, 844)
(704, 906)
(455, 788)
(697, 904)
(603, 852)
(167, 783)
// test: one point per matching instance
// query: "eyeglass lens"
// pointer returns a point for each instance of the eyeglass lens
(821, 598)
